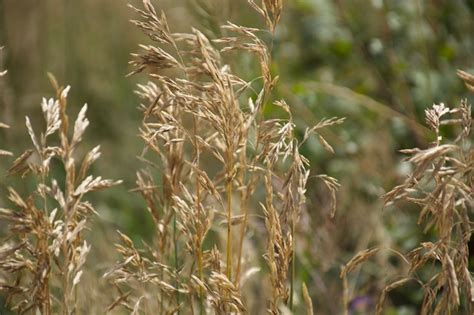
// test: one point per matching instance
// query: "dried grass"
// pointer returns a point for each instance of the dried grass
(45, 250)
(222, 162)
(441, 186)
(224, 183)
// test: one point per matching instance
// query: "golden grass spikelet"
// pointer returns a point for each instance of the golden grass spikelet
(307, 300)
(358, 259)
(467, 78)
(388, 288)
(224, 296)
(270, 10)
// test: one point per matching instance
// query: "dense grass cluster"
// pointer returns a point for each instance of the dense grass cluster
(224, 181)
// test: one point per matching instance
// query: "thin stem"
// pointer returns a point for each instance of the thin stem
(65, 279)
(69, 184)
(244, 209)
(293, 262)
(241, 245)
(176, 265)
(201, 293)
(229, 225)
(47, 305)
(198, 208)
(162, 275)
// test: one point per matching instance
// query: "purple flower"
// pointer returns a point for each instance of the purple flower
(361, 303)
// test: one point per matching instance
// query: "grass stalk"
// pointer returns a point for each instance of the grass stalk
(229, 229)
(293, 261)
(176, 262)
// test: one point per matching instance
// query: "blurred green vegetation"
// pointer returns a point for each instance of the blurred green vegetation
(379, 63)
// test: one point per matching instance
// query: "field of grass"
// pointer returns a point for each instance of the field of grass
(266, 156)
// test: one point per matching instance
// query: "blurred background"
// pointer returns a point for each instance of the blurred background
(379, 63)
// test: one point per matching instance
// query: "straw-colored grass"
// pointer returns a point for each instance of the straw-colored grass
(44, 251)
(229, 175)
(441, 186)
